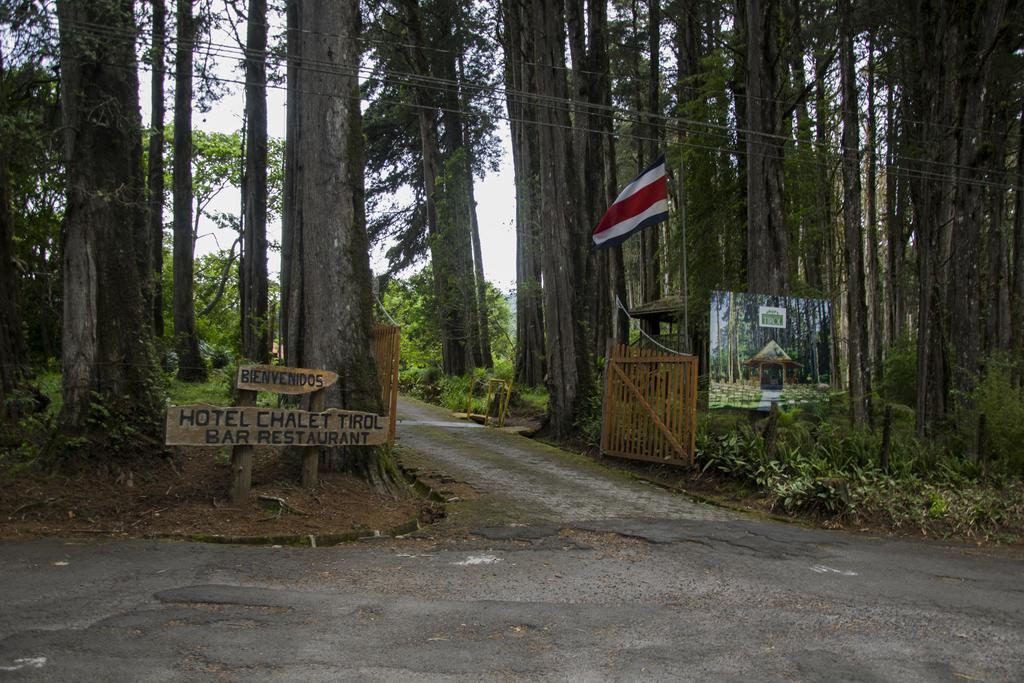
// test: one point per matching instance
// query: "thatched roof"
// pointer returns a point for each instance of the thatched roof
(772, 354)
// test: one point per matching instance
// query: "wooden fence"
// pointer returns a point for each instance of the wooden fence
(387, 349)
(650, 405)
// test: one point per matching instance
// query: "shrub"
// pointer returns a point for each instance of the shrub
(1002, 403)
(899, 382)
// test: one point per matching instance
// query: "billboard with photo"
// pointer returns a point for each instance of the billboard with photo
(766, 348)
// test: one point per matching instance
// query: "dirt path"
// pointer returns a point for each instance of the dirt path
(527, 481)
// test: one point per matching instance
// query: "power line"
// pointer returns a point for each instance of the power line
(565, 105)
(675, 125)
(436, 83)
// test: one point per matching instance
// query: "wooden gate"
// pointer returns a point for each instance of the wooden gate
(650, 405)
(387, 349)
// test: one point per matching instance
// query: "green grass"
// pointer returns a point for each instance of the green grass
(533, 398)
(213, 391)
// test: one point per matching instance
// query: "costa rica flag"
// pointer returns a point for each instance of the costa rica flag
(643, 203)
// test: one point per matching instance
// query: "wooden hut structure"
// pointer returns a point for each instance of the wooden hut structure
(773, 367)
(668, 310)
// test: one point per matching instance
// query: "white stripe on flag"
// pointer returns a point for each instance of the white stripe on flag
(619, 229)
(641, 182)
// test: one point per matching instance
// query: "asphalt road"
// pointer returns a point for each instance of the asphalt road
(544, 588)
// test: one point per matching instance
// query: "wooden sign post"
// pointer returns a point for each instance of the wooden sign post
(241, 457)
(247, 425)
(311, 455)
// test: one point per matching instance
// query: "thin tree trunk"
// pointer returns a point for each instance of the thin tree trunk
(155, 180)
(190, 361)
(107, 343)
(291, 217)
(650, 250)
(873, 287)
(737, 84)
(893, 230)
(857, 341)
(996, 289)
(255, 339)
(483, 324)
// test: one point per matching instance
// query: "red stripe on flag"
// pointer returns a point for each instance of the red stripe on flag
(633, 205)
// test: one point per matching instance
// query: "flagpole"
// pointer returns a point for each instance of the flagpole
(685, 346)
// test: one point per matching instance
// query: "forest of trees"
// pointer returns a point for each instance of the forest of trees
(865, 152)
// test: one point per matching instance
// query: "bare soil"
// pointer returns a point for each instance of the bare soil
(186, 494)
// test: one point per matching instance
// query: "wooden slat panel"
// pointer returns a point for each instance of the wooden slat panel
(387, 348)
(650, 405)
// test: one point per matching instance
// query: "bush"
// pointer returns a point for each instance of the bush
(588, 423)
(831, 470)
(219, 357)
(1002, 403)
(899, 382)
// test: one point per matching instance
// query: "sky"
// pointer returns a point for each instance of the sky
(495, 194)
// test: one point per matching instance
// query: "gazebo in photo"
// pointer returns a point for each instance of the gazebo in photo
(772, 363)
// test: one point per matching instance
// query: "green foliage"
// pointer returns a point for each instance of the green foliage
(412, 304)
(216, 390)
(533, 400)
(1002, 403)
(899, 382)
(30, 137)
(588, 421)
(829, 469)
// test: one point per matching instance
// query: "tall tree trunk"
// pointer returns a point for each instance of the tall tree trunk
(107, 343)
(688, 51)
(335, 329)
(737, 84)
(517, 44)
(929, 84)
(857, 341)
(291, 236)
(767, 240)
(825, 244)
(13, 367)
(872, 271)
(568, 377)
(649, 242)
(455, 210)
(446, 241)
(255, 339)
(595, 149)
(483, 324)
(155, 179)
(977, 30)
(808, 247)
(190, 361)
(1017, 312)
(893, 229)
(996, 289)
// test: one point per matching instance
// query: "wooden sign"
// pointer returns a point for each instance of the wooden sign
(281, 380)
(206, 425)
